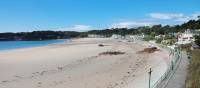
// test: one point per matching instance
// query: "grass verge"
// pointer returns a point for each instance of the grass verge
(193, 80)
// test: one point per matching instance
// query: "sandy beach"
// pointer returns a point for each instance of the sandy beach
(78, 64)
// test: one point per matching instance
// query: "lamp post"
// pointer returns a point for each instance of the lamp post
(150, 71)
(172, 65)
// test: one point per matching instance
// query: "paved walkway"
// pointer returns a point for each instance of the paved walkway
(179, 77)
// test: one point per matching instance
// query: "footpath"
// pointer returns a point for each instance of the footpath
(178, 79)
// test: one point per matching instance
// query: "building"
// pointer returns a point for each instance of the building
(186, 37)
(134, 37)
(159, 36)
(95, 36)
(116, 36)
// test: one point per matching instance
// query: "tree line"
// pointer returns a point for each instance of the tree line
(38, 35)
(153, 30)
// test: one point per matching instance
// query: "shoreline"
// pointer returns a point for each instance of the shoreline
(33, 46)
(79, 65)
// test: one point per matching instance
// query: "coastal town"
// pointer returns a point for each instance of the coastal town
(169, 52)
(99, 44)
(187, 37)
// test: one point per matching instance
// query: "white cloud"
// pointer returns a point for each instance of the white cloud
(195, 15)
(131, 24)
(80, 28)
(166, 16)
(174, 16)
(183, 19)
(158, 18)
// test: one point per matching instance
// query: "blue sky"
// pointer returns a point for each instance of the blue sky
(81, 15)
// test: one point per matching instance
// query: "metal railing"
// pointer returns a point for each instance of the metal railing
(172, 67)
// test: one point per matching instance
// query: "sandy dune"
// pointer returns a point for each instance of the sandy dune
(79, 65)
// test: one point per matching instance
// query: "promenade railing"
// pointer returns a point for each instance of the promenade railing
(172, 67)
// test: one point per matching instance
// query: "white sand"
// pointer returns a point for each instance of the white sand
(78, 65)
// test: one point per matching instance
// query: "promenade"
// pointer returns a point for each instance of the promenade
(179, 77)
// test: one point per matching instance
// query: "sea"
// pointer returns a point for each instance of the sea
(9, 45)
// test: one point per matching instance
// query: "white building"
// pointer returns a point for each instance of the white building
(186, 37)
(95, 36)
(134, 37)
(116, 36)
(159, 36)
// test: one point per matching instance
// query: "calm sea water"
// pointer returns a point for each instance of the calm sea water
(7, 45)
